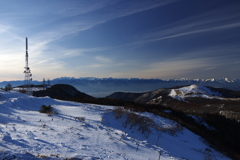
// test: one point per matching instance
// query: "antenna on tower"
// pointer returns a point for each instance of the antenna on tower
(27, 72)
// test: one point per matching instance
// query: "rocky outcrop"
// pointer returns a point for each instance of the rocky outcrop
(230, 114)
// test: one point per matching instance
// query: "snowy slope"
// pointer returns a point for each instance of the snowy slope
(194, 91)
(26, 133)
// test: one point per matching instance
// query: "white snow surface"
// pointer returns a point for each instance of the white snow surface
(31, 89)
(26, 133)
(194, 91)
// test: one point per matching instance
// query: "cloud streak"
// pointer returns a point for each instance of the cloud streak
(227, 26)
(175, 68)
(103, 59)
(100, 14)
(198, 24)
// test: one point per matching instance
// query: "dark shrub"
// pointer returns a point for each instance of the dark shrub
(46, 109)
(22, 91)
(119, 112)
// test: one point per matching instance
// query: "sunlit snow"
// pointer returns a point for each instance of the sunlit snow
(194, 91)
(26, 133)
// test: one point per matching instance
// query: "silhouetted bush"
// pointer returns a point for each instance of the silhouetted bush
(132, 119)
(80, 118)
(22, 91)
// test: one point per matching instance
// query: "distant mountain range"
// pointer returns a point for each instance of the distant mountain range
(101, 87)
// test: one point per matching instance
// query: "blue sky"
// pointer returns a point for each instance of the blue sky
(120, 38)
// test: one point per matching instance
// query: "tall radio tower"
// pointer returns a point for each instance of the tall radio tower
(27, 72)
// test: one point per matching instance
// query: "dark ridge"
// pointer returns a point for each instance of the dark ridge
(32, 85)
(226, 92)
(61, 91)
(124, 96)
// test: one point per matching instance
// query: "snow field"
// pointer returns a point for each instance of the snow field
(100, 136)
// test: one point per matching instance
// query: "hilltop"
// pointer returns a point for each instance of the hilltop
(88, 131)
(193, 98)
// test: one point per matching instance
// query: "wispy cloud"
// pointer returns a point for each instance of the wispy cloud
(44, 61)
(199, 63)
(198, 24)
(72, 53)
(101, 13)
(227, 26)
(3, 28)
(131, 7)
(206, 69)
(81, 51)
(104, 60)
(174, 68)
(92, 66)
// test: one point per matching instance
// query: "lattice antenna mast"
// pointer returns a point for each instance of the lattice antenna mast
(27, 72)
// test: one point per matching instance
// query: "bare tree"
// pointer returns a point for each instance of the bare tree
(8, 87)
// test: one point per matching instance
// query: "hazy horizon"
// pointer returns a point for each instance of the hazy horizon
(46, 79)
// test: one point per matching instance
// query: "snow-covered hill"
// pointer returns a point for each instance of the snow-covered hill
(28, 134)
(194, 91)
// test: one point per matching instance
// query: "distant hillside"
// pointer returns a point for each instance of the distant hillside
(61, 91)
(140, 97)
(190, 99)
(124, 96)
(101, 87)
